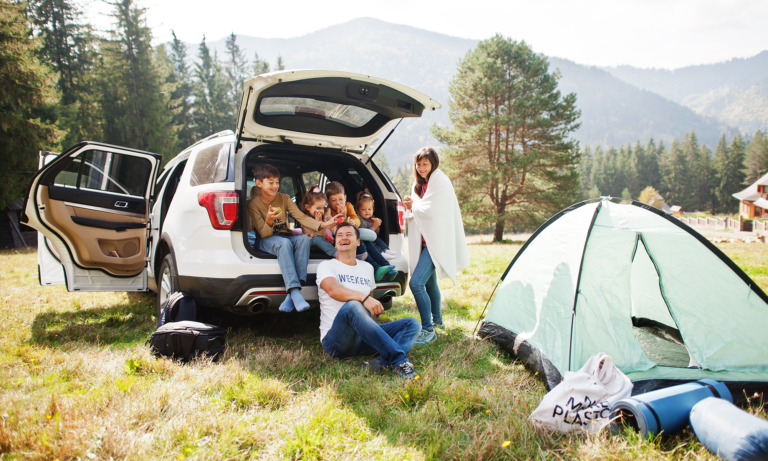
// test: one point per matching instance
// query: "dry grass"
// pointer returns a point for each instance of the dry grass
(76, 381)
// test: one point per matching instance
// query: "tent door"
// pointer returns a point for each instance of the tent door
(654, 326)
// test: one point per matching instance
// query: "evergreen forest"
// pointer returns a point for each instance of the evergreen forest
(685, 173)
(65, 82)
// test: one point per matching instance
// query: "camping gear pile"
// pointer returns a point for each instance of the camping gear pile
(627, 280)
(179, 336)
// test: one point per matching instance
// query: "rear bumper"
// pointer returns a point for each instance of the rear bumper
(239, 293)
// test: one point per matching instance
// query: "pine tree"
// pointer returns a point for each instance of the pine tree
(585, 173)
(651, 169)
(678, 178)
(508, 149)
(756, 160)
(699, 166)
(259, 66)
(69, 47)
(611, 181)
(181, 96)
(236, 72)
(211, 109)
(728, 162)
(133, 98)
(598, 173)
(27, 93)
(279, 64)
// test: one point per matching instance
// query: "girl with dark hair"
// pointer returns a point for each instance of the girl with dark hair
(371, 225)
(313, 204)
(436, 243)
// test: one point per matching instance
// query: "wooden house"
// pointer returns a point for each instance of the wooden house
(754, 199)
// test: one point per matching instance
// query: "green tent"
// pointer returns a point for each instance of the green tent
(630, 281)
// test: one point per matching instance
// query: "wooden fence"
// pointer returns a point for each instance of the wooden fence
(727, 224)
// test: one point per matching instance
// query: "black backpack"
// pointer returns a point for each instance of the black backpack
(186, 340)
(178, 307)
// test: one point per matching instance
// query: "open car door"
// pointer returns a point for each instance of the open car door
(49, 268)
(91, 205)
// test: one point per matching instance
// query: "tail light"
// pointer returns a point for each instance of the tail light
(401, 216)
(222, 208)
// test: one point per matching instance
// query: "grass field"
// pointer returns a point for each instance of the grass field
(77, 382)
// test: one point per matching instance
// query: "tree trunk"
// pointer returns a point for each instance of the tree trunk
(498, 232)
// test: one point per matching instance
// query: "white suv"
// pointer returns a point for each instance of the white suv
(106, 224)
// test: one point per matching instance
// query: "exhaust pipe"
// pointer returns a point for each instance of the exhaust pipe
(387, 297)
(258, 305)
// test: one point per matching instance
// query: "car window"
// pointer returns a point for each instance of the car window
(68, 176)
(288, 187)
(312, 178)
(118, 173)
(211, 165)
(356, 176)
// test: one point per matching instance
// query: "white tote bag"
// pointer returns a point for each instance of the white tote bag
(582, 401)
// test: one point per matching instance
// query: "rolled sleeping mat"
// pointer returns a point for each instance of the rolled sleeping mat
(729, 432)
(667, 409)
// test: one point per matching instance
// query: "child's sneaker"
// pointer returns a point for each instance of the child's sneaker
(382, 271)
(405, 370)
(391, 275)
(425, 337)
(389, 255)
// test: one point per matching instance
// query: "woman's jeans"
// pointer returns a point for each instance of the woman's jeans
(355, 332)
(424, 287)
(320, 242)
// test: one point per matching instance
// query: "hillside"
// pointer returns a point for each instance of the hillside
(735, 92)
(614, 112)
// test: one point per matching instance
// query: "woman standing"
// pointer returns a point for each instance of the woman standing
(436, 243)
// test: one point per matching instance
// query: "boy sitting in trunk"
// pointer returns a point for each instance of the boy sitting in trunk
(267, 211)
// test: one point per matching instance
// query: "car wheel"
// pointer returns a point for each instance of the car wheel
(167, 282)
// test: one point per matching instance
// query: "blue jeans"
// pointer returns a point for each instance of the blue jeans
(355, 332)
(375, 258)
(379, 243)
(320, 242)
(424, 287)
(292, 253)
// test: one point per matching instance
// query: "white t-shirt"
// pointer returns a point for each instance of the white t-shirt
(359, 278)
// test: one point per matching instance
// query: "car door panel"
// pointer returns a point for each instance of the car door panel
(92, 208)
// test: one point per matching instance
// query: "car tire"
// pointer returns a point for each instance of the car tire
(167, 282)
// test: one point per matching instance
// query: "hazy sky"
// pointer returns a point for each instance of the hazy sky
(647, 33)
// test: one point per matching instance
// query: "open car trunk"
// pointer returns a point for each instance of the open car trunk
(301, 167)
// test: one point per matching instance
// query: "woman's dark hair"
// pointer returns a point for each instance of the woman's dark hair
(429, 154)
(313, 195)
(364, 196)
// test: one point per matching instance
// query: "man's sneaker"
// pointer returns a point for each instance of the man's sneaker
(373, 365)
(425, 337)
(405, 370)
(439, 325)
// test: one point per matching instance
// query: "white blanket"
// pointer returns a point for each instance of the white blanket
(437, 218)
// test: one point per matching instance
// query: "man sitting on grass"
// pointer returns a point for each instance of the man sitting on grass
(347, 312)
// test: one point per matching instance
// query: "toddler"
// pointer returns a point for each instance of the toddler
(365, 207)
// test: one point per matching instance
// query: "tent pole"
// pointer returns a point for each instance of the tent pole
(486, 307)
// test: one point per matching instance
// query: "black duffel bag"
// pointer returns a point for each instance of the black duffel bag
(187, 340)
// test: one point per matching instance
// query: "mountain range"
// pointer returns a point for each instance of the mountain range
(619, 104)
